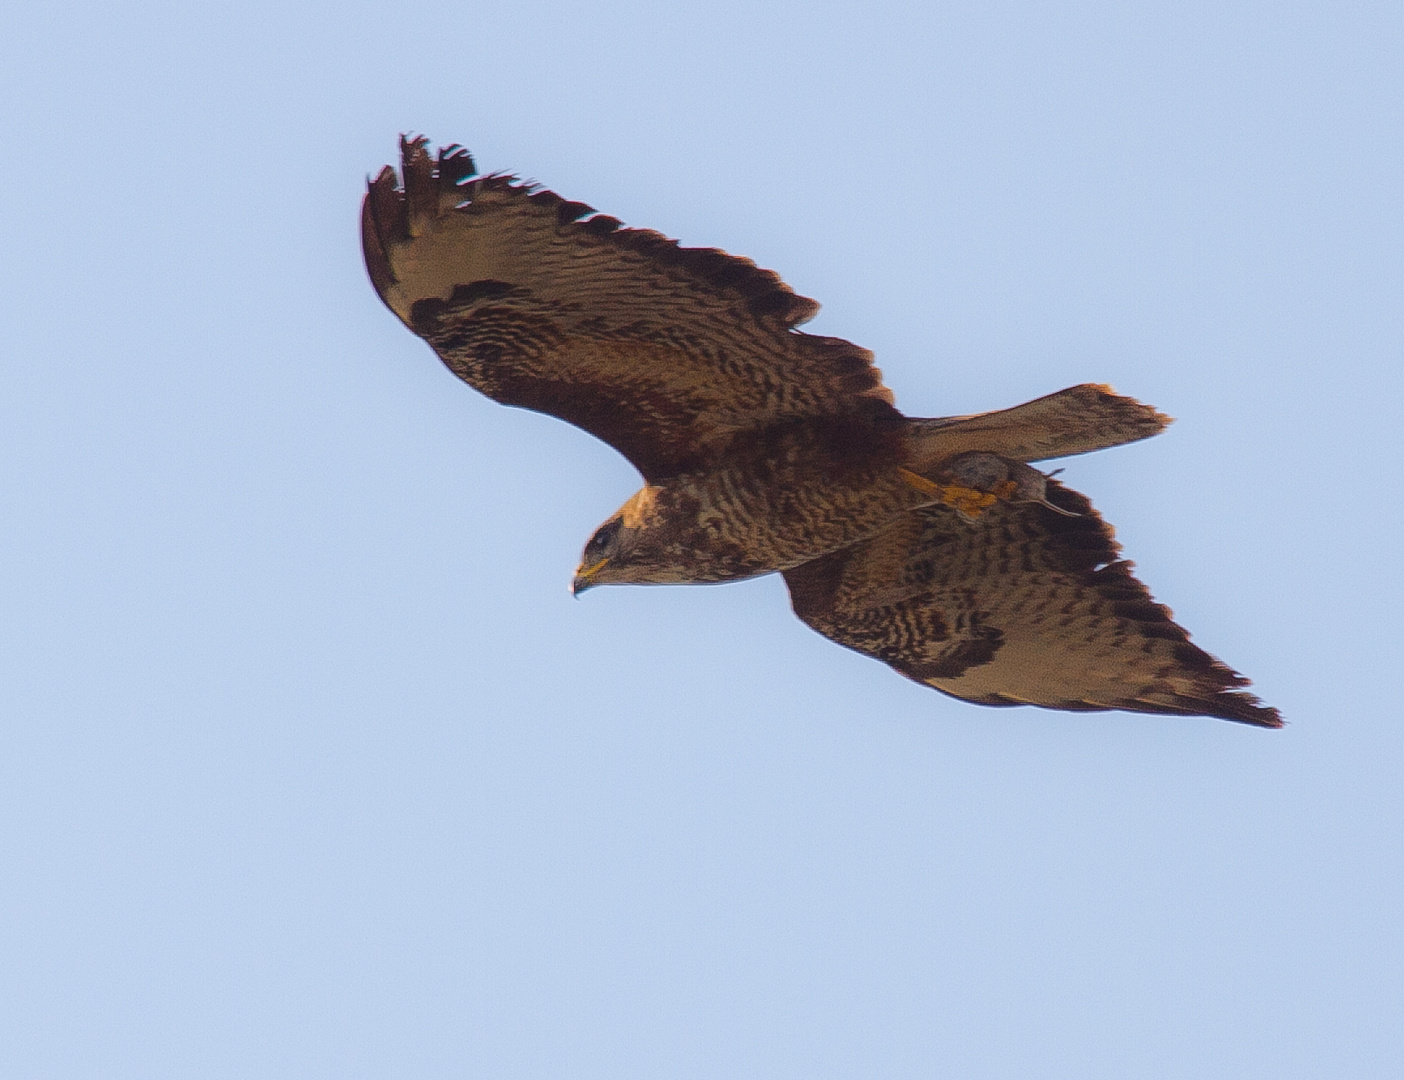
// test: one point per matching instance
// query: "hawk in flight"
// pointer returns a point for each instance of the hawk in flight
(930, 544)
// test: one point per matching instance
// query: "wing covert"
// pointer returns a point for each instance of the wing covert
(665, 352)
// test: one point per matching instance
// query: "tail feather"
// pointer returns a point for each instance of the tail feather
(1077, 420)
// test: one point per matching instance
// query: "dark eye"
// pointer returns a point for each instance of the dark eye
(604, 537)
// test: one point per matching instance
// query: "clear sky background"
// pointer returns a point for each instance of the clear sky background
(311, 767)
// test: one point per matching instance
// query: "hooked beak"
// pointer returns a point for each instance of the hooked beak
(583, 574)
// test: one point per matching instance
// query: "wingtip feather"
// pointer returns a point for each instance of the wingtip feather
(380, 220)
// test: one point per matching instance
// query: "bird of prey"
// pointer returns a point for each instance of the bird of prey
(931, 544)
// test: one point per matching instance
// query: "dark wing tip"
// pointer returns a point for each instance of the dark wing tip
(381, 225)
(1236, 705)
(396, 205)
(421, 183)
(1217, 691)
(1089, 545)
(455, 165)
(1247, 709)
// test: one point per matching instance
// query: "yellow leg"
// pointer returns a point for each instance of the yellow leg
(969, 501)
(921, 483)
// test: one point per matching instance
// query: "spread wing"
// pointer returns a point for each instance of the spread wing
(665, 352)
(1022, 607)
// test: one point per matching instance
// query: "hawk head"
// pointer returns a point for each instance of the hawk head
(631, 548)
(605, 556)
(656, 538)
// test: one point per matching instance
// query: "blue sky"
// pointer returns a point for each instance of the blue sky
(310, 766)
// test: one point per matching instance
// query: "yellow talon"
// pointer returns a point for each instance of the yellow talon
(968, 501)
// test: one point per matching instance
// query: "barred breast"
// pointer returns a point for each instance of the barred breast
(780, 499)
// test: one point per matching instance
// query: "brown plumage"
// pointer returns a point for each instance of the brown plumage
(929, 544)
(1023, 606)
